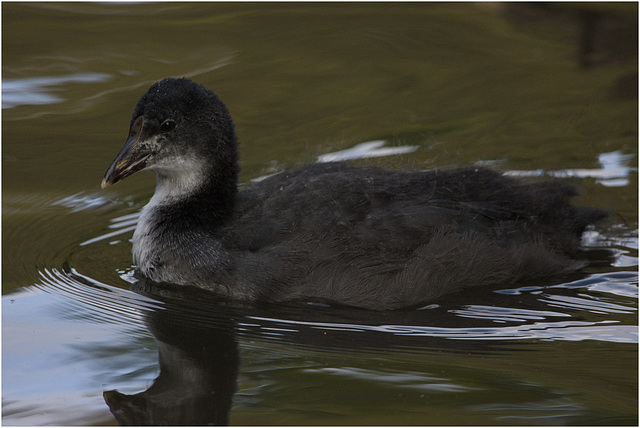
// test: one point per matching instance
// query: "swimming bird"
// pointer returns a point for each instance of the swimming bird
(331, 232)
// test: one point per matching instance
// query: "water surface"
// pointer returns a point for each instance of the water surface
(537, 92)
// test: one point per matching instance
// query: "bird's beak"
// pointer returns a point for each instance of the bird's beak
(132, 157)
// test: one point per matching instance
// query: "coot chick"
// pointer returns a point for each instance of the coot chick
(337, 232)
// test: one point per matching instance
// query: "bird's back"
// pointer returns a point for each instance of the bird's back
(370, 237)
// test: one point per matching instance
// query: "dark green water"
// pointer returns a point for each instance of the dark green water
(533, 91)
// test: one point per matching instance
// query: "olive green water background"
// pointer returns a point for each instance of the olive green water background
(532, 90)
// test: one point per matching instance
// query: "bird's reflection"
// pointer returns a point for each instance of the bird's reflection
(198, 357)
(197, 346)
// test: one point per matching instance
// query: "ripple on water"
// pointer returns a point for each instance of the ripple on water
(88, 299)
(540, 313)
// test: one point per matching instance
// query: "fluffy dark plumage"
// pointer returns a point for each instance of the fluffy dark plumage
(356, 235)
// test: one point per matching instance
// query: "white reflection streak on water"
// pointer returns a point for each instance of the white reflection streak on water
(614, 172)
(369, 149)
(409, 380)
(35, 90)
(567, 330)
(499, 314)
(586, 304)
(123, 224)
(78, 202)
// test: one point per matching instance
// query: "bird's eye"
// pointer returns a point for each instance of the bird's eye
(168, 125)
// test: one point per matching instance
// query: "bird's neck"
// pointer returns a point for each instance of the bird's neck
(196, 199)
